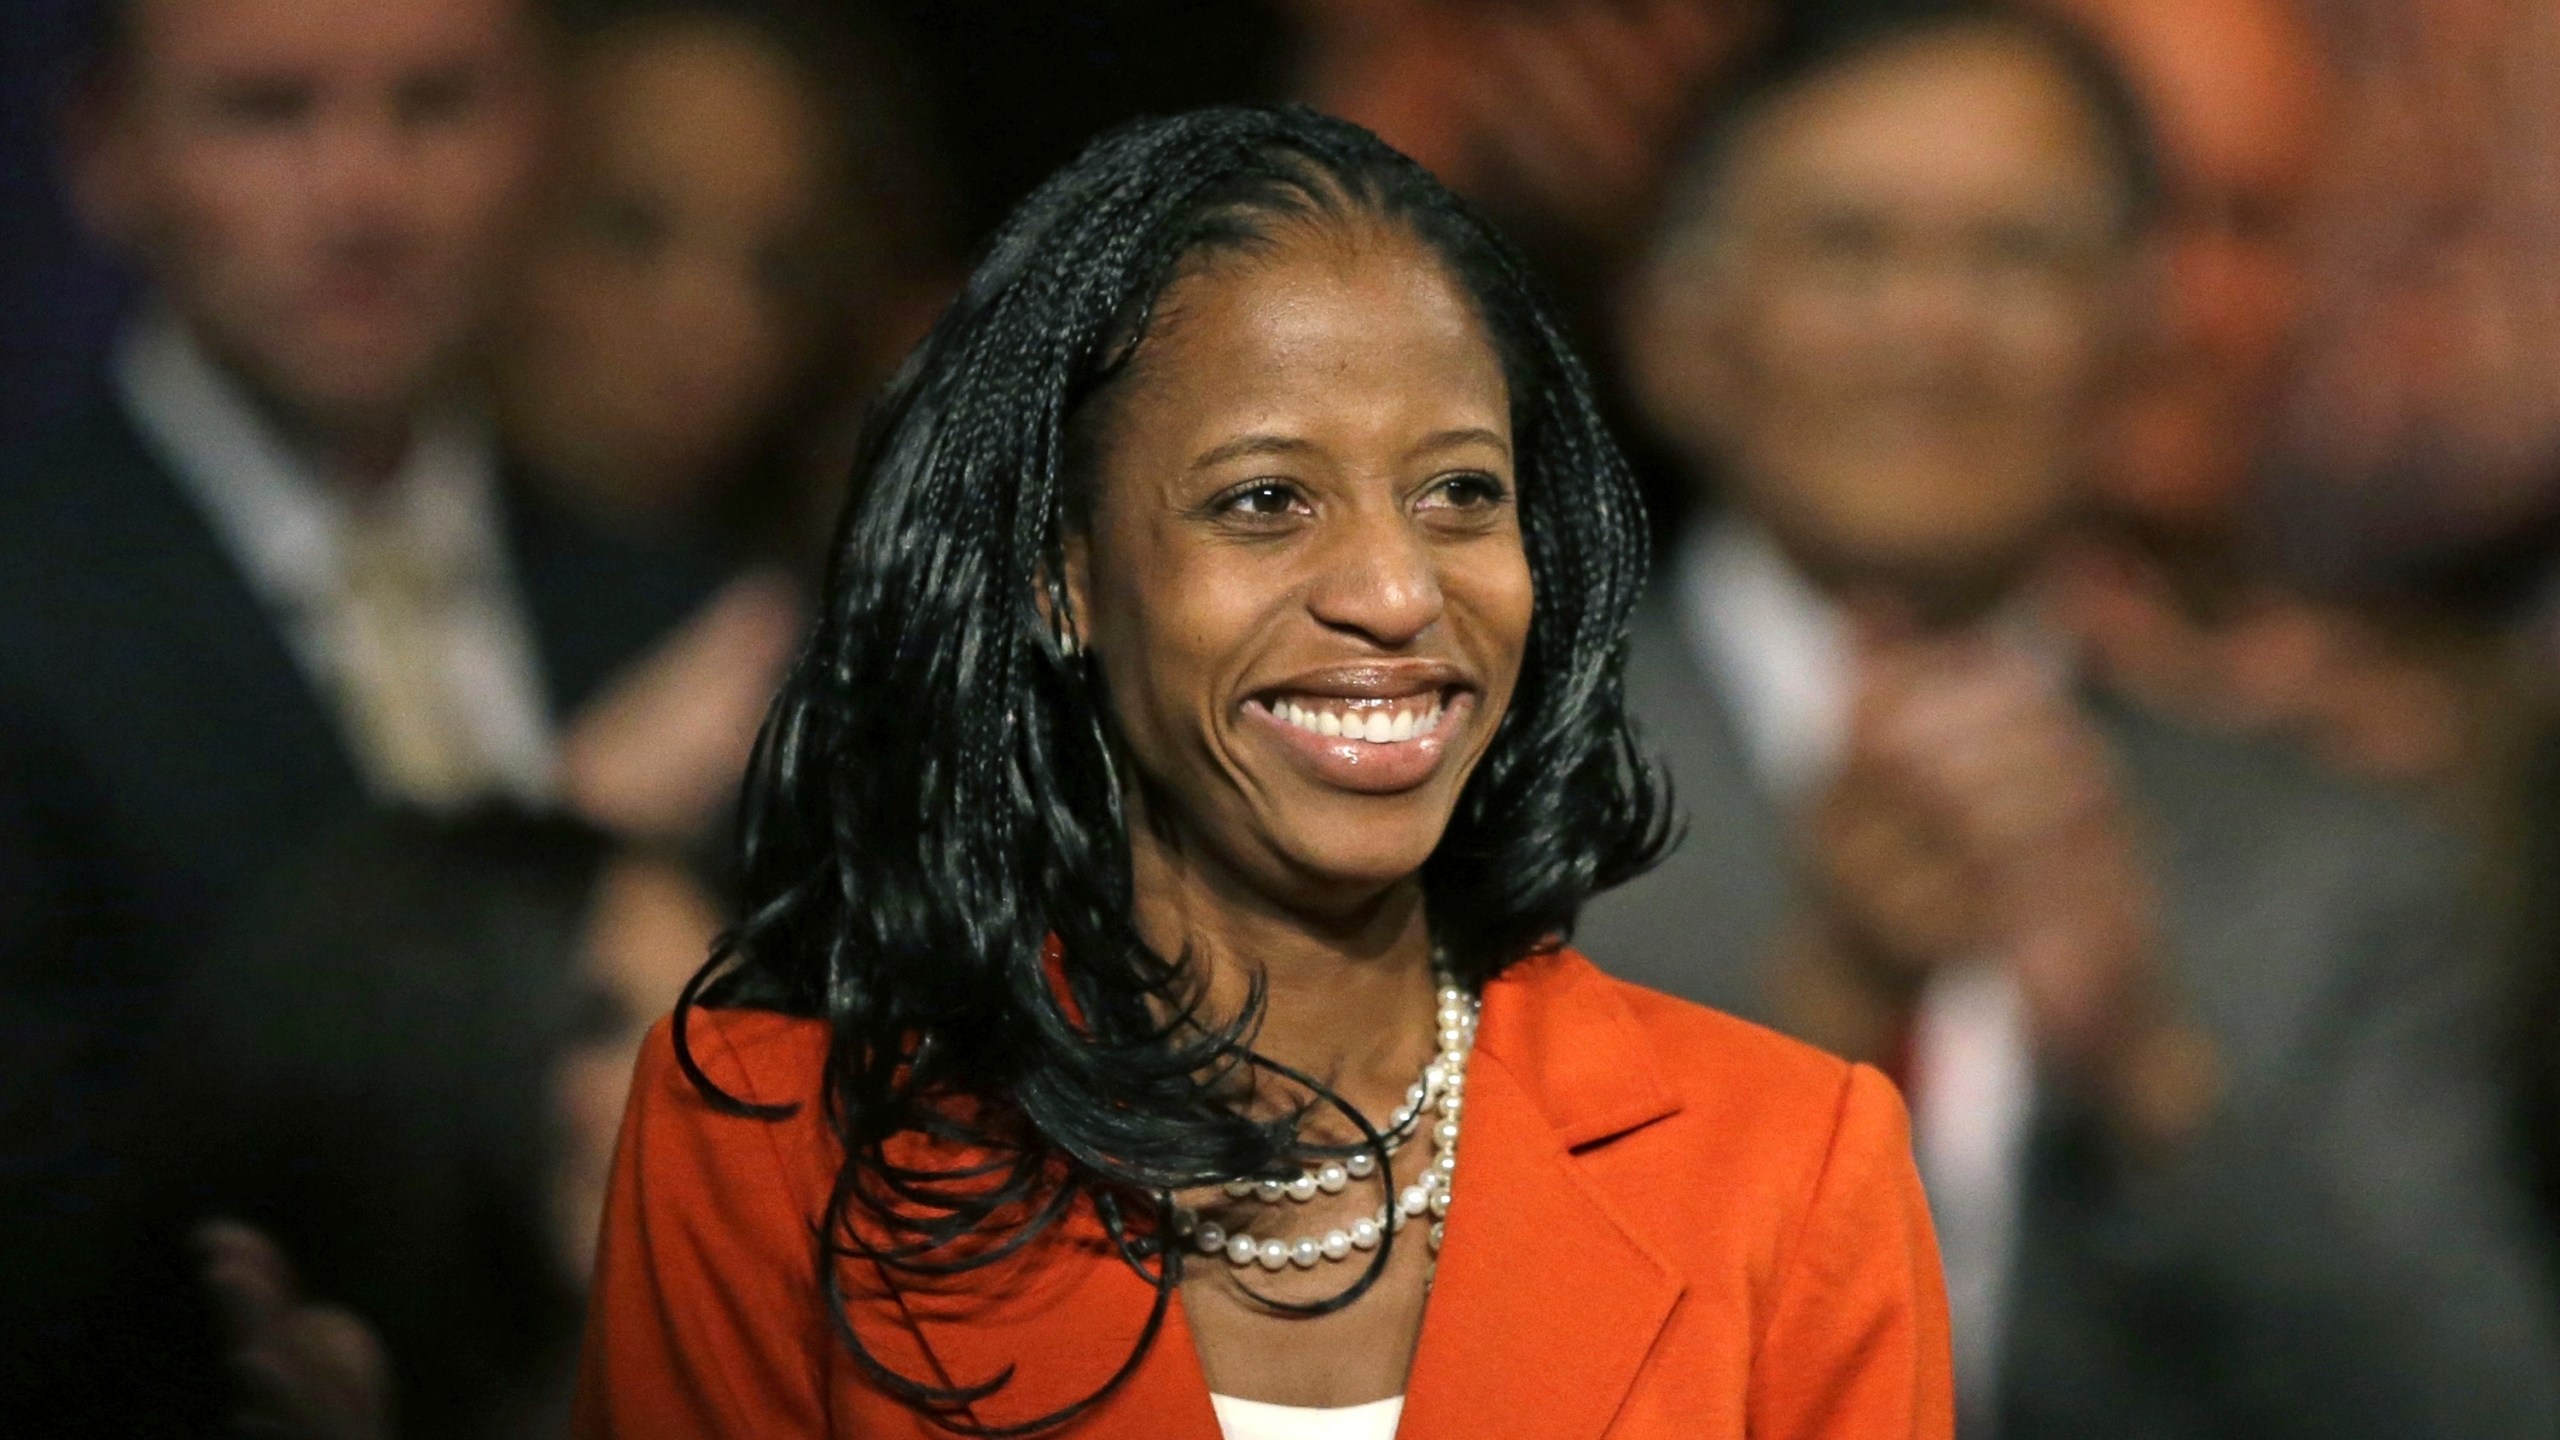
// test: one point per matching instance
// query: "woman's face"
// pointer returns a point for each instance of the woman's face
(1303, 577)
(676, 289)
(650, 928)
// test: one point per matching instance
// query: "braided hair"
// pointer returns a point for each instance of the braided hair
(935, 853)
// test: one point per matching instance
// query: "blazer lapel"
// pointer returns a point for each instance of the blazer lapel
(1545, 1304)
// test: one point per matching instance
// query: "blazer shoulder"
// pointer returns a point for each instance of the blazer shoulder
(1719, 1061)
(761, 1057)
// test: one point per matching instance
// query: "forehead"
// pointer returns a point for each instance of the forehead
(706, 99)
(1328, 323)
(177, 38)
(1950, 120)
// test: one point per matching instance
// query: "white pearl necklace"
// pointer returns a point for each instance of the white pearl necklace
(1441, 1091)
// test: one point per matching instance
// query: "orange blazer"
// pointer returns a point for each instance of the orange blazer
(1670, 1224)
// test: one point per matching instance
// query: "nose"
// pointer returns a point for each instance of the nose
(1379, 579)
(361, 173)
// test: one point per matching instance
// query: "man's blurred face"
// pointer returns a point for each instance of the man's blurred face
(1892, 325)
(321, 187)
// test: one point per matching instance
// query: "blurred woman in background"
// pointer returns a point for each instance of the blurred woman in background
(719, 267)
(393, 1114)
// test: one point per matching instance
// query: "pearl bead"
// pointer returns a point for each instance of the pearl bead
(1449, 1106)
(1361, 1165)
(1303, 1188)
(1438, 1233)
(1211, 1238)
(1275, 1254)
(1270, 1191)
(1305, 1254)
(1451, 1037)
(1336, 1244)
(1241, 1249)
(1237, 1189)
(1414, 1094)
(1396, 1218)
(1446, 1132)
(1364, 1234)
(1332, 1178)
(1445, 1162)
(1412, 1201)
(1440, 1204)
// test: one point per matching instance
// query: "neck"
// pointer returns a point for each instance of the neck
(1347, 995)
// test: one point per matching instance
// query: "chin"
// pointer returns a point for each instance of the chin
(1355, 857)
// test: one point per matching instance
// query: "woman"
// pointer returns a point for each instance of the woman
(1212, 726)
(733, 216)
(392, 1096)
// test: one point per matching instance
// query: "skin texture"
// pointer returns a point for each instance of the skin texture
(681, 276)
(1894, 323)
(1895, 331)
(1306, 482)
(322, 191)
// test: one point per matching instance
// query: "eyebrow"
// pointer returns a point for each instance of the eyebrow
(1245, 445)
(1249, 445)
(1465, 435)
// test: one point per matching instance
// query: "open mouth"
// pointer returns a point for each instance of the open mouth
(1375, 722)
(1374, 743)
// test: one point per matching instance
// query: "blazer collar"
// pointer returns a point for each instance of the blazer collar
(1563, 1031)
(1544, 1305)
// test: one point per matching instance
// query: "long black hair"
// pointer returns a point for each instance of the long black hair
(935, 802)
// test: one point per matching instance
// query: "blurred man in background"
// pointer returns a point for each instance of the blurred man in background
(270, 574)
(2188, 1031)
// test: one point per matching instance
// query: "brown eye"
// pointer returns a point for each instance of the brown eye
(1261, 499)
(1467, 490)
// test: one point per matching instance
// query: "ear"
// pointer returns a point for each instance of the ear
(1079, 586)
(1670, 319)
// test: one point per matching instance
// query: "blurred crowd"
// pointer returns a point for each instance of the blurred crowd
(2105, 630)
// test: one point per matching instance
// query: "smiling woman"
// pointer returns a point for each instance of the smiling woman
(1164, 853)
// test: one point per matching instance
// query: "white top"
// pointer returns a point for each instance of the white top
(285, 527)
(1255, 1420)
(1782, 651)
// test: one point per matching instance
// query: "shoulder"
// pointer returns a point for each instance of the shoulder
(1740, 1156)
(757, 1109)
(1734, 1096)
(1766, 1099)
(1706, 1051)
(78, 480)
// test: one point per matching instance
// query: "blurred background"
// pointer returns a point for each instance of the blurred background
(421, 423)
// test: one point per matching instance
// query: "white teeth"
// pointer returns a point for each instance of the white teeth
(1377, 727)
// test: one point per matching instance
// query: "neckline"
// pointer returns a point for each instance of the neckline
(1266, 1407)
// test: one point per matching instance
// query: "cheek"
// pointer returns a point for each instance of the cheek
(1158, 633)
(1497, 595)
(231, 210)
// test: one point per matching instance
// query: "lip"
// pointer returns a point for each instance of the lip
(1362, 766)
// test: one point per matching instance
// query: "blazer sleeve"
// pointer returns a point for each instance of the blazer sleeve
(704, 1319)
(1856, 1342)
